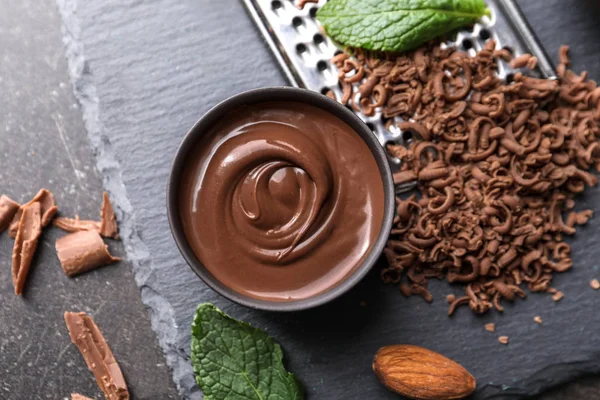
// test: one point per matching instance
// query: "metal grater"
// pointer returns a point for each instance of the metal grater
(303, 51)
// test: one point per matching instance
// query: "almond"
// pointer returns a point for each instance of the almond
(421, 374)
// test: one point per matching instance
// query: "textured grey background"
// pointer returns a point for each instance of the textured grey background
(153, 68)
(144, 72)
(43, 144)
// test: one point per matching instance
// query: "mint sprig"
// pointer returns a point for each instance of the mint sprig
(235, 361)
(396, 25)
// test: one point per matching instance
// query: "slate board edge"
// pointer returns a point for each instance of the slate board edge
(161, 314)
(540, 381)
(137, 252)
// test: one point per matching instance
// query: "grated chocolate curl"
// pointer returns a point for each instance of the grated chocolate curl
(99, 358)
(28, 232)
(8, 209)
(48, 210)
(82, 251)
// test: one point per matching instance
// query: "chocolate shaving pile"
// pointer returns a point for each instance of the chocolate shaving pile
(78, 252)
(498, 166)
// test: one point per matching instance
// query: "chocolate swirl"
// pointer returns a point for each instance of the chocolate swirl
(280, 180)
(281, 201)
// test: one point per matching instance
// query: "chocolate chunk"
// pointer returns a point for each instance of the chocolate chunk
(48, 210)
(97, 355)
(503, 339)
(28, 232)
(491, 327)
(77, 396)
(76, 224)
(82, 251)
(558, 296)
(595, 284)
(108, 224)
(8, 209)
(537, 319)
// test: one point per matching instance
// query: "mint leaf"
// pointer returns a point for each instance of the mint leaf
(234, 361)
(396, 25)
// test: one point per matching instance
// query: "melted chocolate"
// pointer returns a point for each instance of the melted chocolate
(281, 201)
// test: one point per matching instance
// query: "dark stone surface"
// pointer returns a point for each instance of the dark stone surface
(145, 72)
(43, 143)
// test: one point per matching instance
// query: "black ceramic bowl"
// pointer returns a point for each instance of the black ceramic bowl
(278, 94)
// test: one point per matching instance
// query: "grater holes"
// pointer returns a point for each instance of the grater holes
(407, 136)
(297, 22)
(510, 77)
(485, 34)
(313, 12)
(301, 49)
(322, 65)
(392, 158)
(371, 126)
(318, 39)
(467, 44)
(276, 5)
(388, 144)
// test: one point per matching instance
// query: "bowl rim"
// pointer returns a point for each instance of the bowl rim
(278, 93)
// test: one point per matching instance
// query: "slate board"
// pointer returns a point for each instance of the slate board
(145, 72)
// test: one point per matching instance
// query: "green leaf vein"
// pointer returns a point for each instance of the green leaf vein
(396, 25)
(234, 361)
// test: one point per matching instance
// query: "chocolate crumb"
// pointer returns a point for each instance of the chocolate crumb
(491, 327)
(48, 210)
(302, 3)
(77, 396)
(558, 296)
(450, 298)
(537, 319)
(405, 290)
(28, 232)
(82, 251)
(108, 224)
(8, 209)
(503, 339)
(99, 358)
(595, 284)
